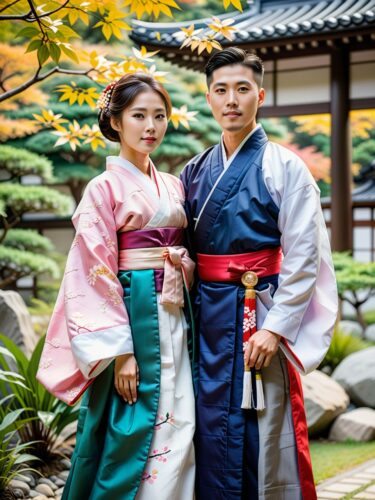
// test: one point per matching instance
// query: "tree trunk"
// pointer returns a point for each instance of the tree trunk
(361, 320)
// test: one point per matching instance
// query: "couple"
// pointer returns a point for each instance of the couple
(253, 218)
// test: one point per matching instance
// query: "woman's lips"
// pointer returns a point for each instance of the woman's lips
(149, 140)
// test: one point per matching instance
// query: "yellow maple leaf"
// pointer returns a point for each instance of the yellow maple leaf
(143, 54)
(151, 7)
(112, 23)
(158, 75)
(236, 4)
(182, 116)
(223, 28)
(49, 119)
(73, 94)
(72, 135)
(93, 136)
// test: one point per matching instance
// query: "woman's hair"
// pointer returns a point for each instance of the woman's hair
(122, 95)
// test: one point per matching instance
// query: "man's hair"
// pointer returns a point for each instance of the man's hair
(235, 55)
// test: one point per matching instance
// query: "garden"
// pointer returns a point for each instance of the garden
(55, 59)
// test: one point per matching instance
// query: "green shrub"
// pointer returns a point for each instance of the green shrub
(341, 346)
(47, 415)
(13, 457)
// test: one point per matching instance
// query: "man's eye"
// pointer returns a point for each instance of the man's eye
(243, 89)
(220, 91)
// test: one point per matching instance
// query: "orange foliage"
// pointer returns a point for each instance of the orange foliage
(11, 129)
(362, 121)
(318, 164)
(17, 67)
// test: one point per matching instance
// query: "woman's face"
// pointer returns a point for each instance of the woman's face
(143, 124)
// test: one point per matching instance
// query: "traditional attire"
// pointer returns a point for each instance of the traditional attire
(260, 211)
(122, 292)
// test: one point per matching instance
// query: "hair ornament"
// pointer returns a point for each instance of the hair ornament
(105, 96)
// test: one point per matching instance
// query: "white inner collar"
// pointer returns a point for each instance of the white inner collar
(227, 162)
(148, 182)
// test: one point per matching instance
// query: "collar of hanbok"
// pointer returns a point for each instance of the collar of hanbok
(152, 185)
(226, 161)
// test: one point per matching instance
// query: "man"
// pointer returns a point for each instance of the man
(253, 206)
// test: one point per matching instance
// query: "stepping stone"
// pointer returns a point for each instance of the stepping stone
(342, 487)
(363, 495)
(329, 494)
(355, 480)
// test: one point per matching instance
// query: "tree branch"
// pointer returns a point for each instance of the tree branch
(38, 78)
(56, 10)
(36, 16)
(9, 5)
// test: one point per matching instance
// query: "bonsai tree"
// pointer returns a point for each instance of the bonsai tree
(355, 282)
(25, 252)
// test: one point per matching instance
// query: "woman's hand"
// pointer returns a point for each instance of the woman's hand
(127, 377)
(261, 348)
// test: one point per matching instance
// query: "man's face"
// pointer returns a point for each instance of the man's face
(234, 97)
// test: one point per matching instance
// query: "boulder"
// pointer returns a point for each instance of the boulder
(324, 399)
(356, 374)
(15, 321)
(357, 425)
(350, 328)
(370, 333)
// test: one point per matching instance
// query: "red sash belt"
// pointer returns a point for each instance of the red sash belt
(232, 267)
(245, 268)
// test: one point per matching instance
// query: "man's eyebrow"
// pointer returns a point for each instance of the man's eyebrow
(224, 84)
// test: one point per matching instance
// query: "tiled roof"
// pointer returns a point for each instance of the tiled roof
(273, 21)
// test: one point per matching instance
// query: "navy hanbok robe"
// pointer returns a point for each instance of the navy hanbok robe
(262, 198)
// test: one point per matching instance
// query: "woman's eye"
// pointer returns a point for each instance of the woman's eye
(138, 115)
(160, 117)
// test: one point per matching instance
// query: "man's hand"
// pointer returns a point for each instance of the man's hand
(261, 347)
(127, 377)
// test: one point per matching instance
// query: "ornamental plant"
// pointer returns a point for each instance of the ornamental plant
(25, 252)
(355, 282)
(41, 417)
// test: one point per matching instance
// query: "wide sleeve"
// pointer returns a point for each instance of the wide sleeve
(304, 307)
(95, 314)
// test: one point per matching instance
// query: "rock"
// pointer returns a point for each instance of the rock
(66, 463)
(45, 490)
(59, 491)
(350, 328)
(18, 493)
(31, 480)
(16, 484)
(33, 494)
(60, 482)
(24, 478)
(357, 425)
(370, 333)
(15, 321)
(356, 374)
(64, 475)
(324, 399)
(44, 480)
(40, 497)
(53, 478)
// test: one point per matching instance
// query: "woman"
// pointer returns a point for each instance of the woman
(121, 300)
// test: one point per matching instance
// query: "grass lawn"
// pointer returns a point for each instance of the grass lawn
(330, 458)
